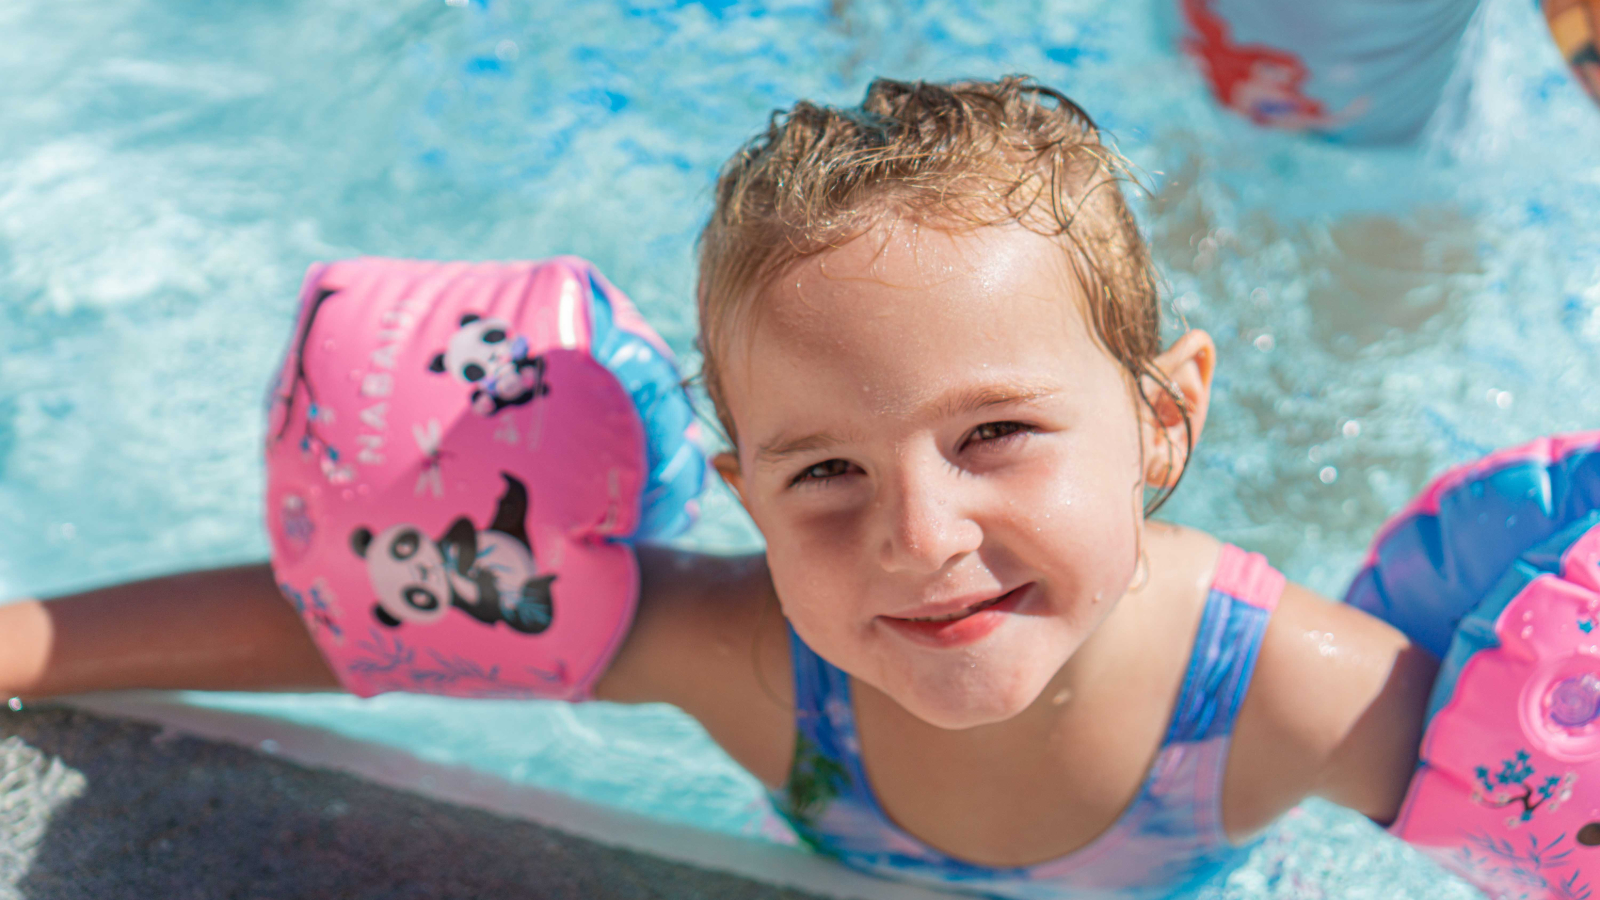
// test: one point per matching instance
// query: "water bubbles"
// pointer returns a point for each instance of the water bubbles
(506, 50)
(269, 746)
(1265, 343)
(455, 2)
(14, 704)
(1328, 475)
(1351, 428)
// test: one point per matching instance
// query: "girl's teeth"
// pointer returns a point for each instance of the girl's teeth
(977, 607)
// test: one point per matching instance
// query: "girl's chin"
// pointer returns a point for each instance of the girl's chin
(955, 709)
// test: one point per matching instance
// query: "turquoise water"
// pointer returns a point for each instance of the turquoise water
(168, 170)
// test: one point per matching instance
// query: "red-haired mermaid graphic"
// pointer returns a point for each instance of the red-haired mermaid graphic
(1264, 83)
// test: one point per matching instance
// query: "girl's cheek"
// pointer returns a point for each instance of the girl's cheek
(1088, 513)
(815, 603)
(808, 561)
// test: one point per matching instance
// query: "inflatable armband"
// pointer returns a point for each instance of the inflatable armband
(458, 455)
(1496, 569)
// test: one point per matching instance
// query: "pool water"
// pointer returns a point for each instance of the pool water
(168, 170)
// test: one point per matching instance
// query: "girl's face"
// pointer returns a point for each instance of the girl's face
(945, 464)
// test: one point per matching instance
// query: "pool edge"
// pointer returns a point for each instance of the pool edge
(388, 767)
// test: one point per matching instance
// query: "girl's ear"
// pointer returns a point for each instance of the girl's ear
(1187, 367)
(727, 465)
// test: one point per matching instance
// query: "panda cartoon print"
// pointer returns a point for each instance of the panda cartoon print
(484, 354)
(490, 574)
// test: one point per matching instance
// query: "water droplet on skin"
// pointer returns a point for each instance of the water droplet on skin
(1061, 697)
(1527, 632)
(1527, 616)
(1099, 595)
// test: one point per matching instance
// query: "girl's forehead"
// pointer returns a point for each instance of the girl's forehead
(907, 313)
(904, 273)
(927, 260)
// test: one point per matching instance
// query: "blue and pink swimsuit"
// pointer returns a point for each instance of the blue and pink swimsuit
(1169, 838)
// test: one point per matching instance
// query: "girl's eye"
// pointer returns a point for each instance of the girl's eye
(822, 471)
(991, 432)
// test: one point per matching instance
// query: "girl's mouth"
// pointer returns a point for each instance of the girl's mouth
(962, 627)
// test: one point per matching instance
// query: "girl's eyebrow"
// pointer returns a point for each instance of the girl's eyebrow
(783, 448)
(1005, 393)
(961, 401)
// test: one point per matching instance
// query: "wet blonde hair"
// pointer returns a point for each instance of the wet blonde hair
(961, 155)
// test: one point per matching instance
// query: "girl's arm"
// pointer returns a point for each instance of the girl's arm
(222, 629)
(1334, 710)
(709, 638)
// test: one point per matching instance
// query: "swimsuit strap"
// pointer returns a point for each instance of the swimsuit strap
(1188, 776)
(827, 759)
(1243, 594)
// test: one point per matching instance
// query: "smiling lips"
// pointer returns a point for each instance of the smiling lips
(962, 627)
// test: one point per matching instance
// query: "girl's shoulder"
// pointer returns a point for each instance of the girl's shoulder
(710, 639)
(1334, 710)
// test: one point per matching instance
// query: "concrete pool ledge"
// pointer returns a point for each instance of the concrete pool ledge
(137, 796)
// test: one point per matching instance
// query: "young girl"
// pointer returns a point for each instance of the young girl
(967, 656)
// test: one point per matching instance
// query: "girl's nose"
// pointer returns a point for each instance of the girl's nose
(925, 521)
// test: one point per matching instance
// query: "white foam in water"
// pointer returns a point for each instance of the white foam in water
(167, 171)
